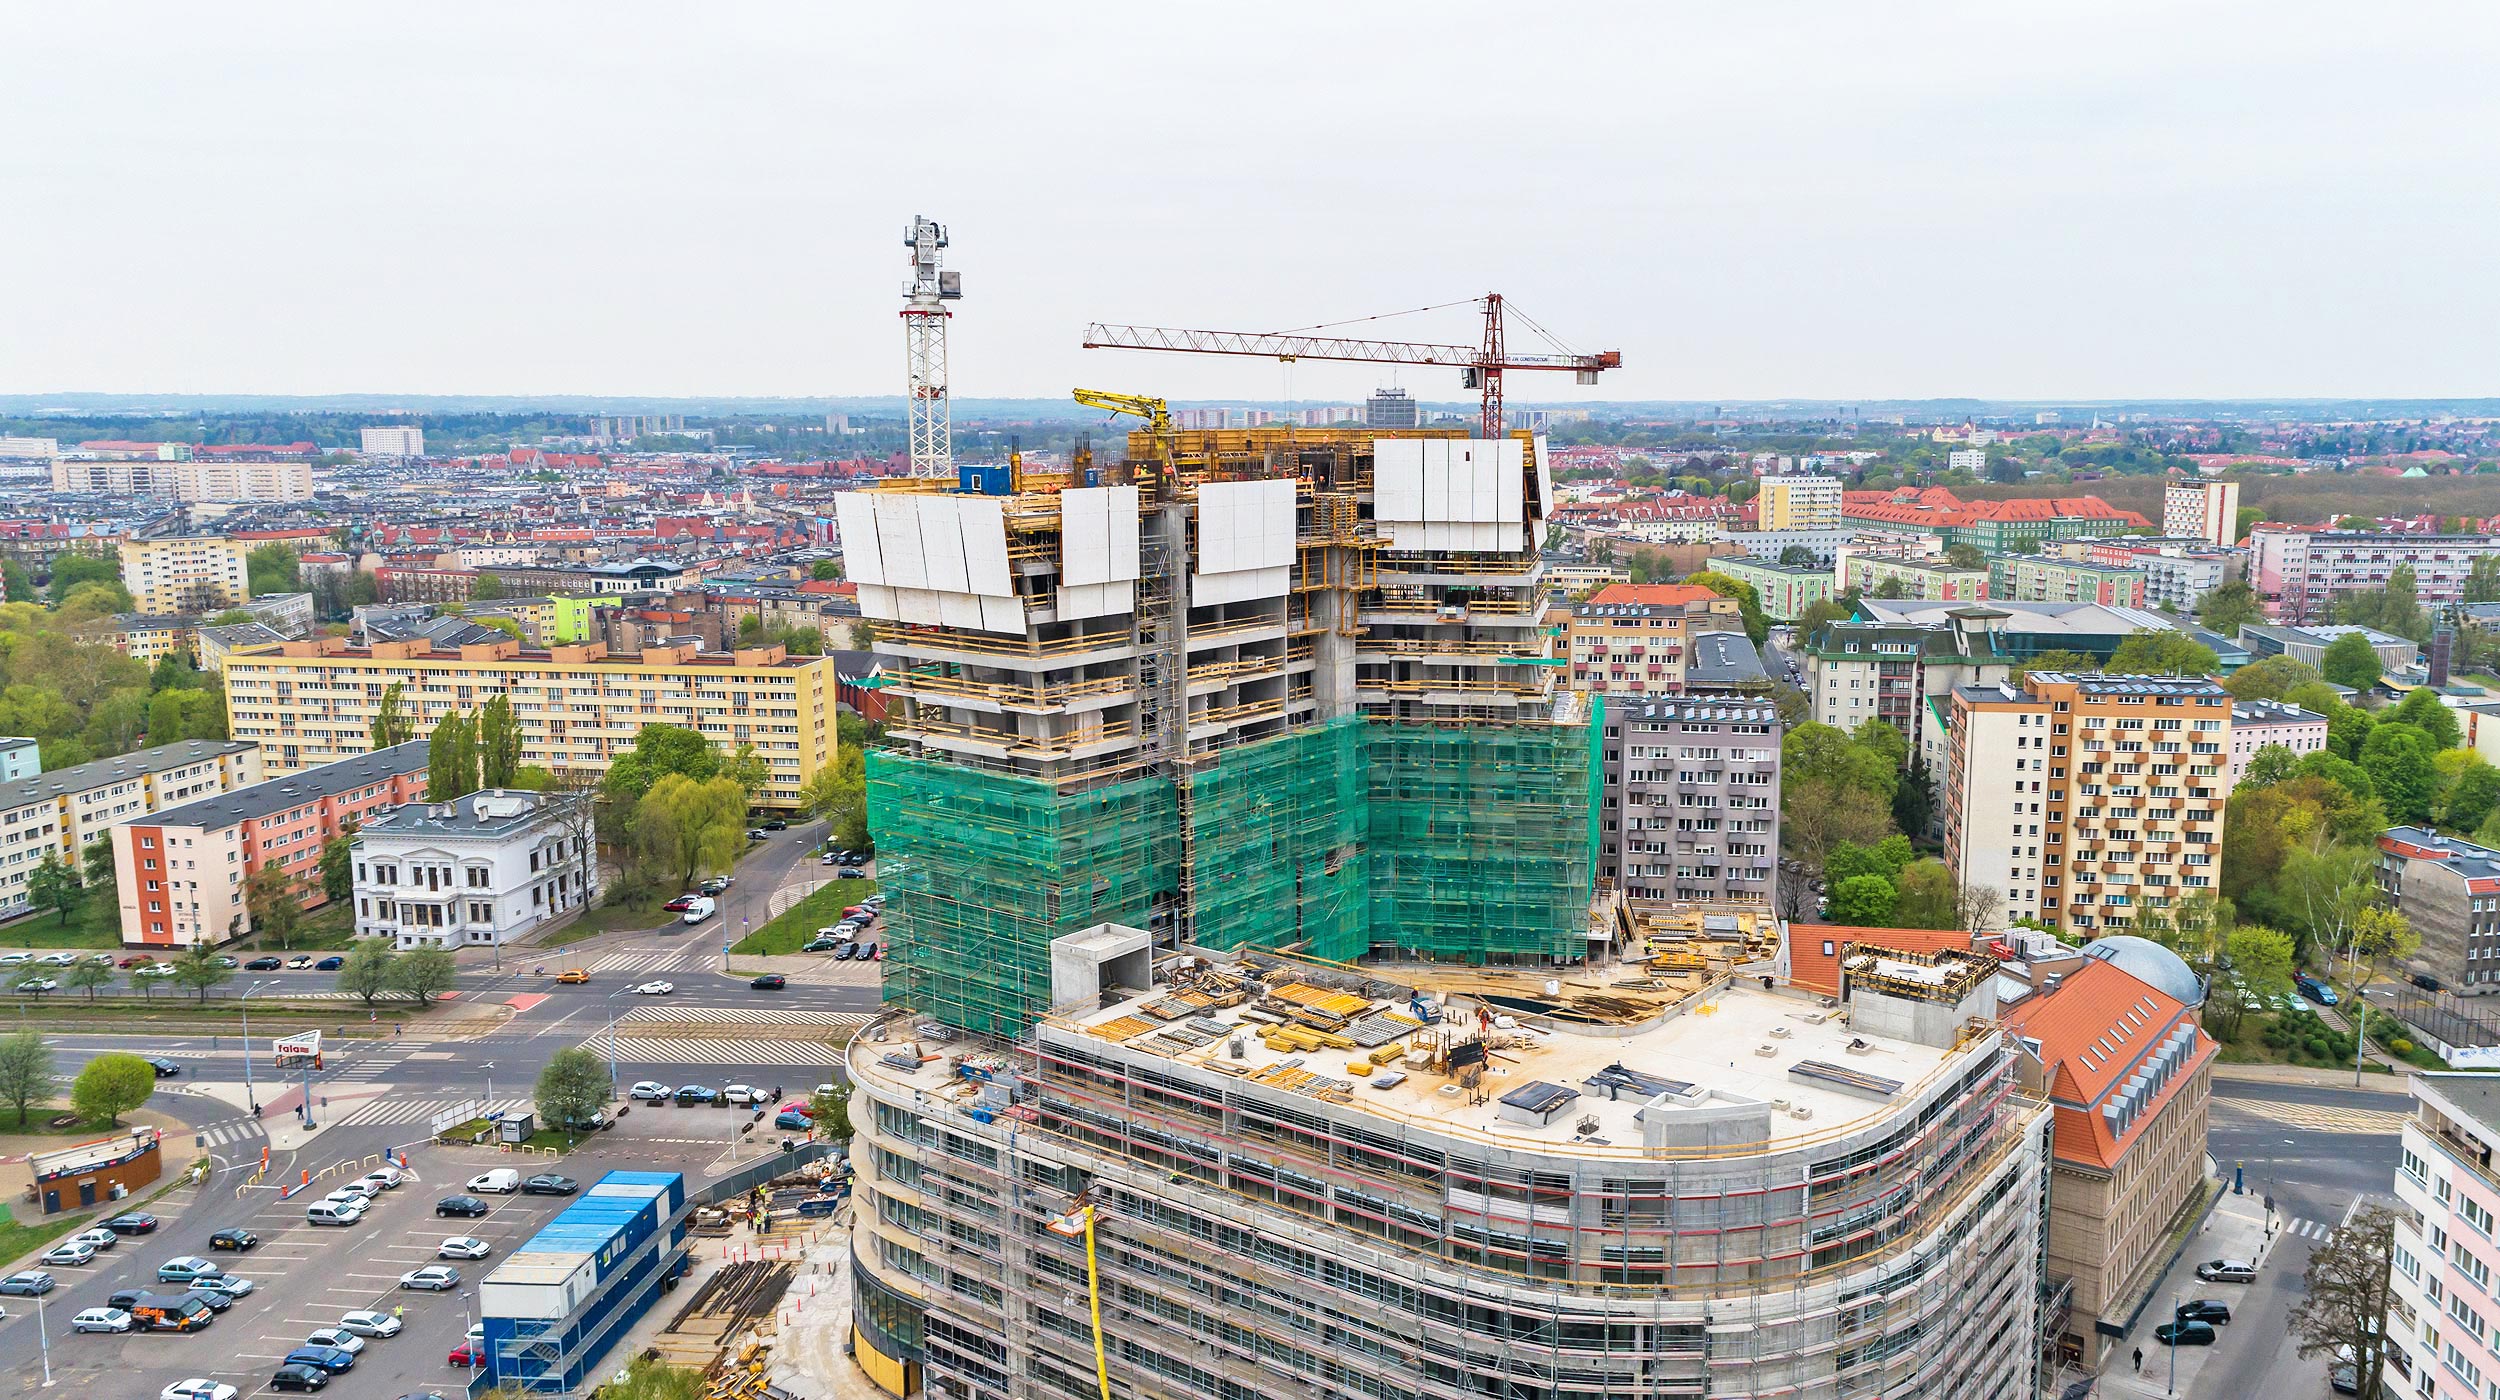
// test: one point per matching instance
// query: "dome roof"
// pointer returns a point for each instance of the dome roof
(2150, 963)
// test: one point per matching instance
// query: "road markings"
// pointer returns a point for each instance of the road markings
(2308, 1118)
(2309, 1229)
(664, 1051)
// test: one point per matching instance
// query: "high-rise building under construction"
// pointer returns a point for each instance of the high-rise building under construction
(1278, 688)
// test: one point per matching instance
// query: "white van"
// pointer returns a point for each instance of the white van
(333, 1213)
(501, 1179)
(701, 909)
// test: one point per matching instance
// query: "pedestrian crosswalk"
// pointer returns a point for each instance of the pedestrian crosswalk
(2309, 1229)
(2314, 1118)
(230, 1131)
(748, 1015)
(391, 1111)
(708, 1050)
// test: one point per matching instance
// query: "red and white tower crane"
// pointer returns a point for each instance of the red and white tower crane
(924, 348)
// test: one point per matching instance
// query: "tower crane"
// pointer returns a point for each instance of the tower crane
(1480, 366)
(924, 348)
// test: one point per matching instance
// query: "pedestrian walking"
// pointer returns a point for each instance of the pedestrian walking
(2139, 1359)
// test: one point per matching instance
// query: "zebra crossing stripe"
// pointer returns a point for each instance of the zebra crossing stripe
(670, 1050)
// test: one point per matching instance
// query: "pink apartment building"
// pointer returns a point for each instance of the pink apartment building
(2442, 1313)
(2258, 724)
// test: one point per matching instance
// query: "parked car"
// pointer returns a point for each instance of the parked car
(743, 1096)
(386, 1177)
(2313, 989)
(101, 1320)
(370, 1324)
(433, 1278)
(300, 961)
(198, 1388)
(680, 904)
(655, 989)
(755, 833)
(2185, 1334)
(299, 1378)
(649, 1091)
(550, 1184)
(703, 908)
(696, 1094)
(98, 1236)
(39, 984)
(775, 824)
(227, 961)
(846, 952)
(225, 1284)
(330, 964)
(58, 959)
(2227, 1271)
(2212, 1310)
(155, 969)
(137, 960)
(346, 1212)
(264, 964)
(790, 1118)
(871, 950)
(186, 1268)
(27, 1283)
(850, 872)
(468, 1354)
(132, 1222)
(713, 886)
(15, 959)
(210, 1299)
(769, 982)
(463, 1247)
(821, 945)
(237, 1239)
(339, 1337)
(329, 1359)
(502, 1179)
(460, 1205)
(68, 1252)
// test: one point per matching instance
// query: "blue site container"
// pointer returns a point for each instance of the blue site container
(559, 1302)
(984, 479)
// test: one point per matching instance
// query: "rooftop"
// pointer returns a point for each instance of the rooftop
(330, 779)
(113, 770)
(488, 815)
(2272, 712)
(2075, 619)
(1723, 658)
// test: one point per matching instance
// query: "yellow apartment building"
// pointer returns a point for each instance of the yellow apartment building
(313, 702)
(186, 574)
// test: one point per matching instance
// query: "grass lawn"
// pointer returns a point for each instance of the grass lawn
(327, 929)
(96, 922)
(608, 918)
(799, 922)
(39, 1122)
(18, 1240)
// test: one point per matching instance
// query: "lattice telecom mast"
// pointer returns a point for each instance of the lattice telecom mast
(924, 348)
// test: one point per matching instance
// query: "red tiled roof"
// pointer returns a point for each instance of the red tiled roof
(2093, 1031)
(1814, 949)
(1666, 593)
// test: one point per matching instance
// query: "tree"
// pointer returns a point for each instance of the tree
(2274, 678)
(14, 583)
(270, 901)
(659, 750)
(25, 1071)
(825, 570)
(372, 968)
(2268, 766)
(2351, 661)
(198, 970)
(750, 628)
(2398, 759)
(1797, 556)
(748, 770)
(2342, 772)
(110, 1086)
(863, 635)
(487, 587)
(2482, 581)
(96, 601)
(1815, 751)
(686, 828)
(1816, 814)
(1864, 901)
(573, 1088)
(71, 570)
(1748, 602)
(2422, 709)
(831, 1108)
(2382, 938)
(1978, 908)
(2259, 974)
(498, 744)
(423, 974)
(338, 865)
(87, 975)
(2347, 730)
(1847, 859)
(451, 759)
(2344, 1303)
(273, 568)
(2150, 653)
(364, 589)
(392, 723)
(54, 885)
(2068, 662)
(1928, 898)
(838, 793)
(2229, 607)
(1820, 613)
(1965, 556)
(2474, 798)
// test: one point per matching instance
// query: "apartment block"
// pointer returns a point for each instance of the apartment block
(204, 479)
(2449, 889)
(20, 758)
(150, 639)
(2266, 724)
(1692, 800)
(1879, 577)
(1786, 590)
(60, 812)
(1259, 687)
(186, 573)
(2038, 578)
(1898, 672)
(475, 873)
(312, 703)
(1713, 1188)
(2135, 825)
(2440, 1310)
(391, 442)
(2298, 573)
(181, 872)
(1993, 527)
(1644, 648)
(2117, 1051)
(1798, 502)
(2205, 510)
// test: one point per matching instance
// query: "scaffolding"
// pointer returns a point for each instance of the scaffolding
(1276, 844)
(1478, 839)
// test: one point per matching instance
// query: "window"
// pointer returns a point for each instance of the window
(2476, 1213)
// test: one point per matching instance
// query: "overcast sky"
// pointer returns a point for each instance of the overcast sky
(1751, 200)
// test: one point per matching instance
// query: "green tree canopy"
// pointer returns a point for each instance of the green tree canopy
(25, 1071)
(573, 1088)
(1748, 602)
(660, 750)
(1864, 901)
(684, 828)
(71, 570)
(53, 884)
(1927, 897)
(2350, 661)
(111, 1085)
(422, 974)
(2151, 653)
(2398, 759)
(2229, 607)
(2422, 709)
(370, 970)
(392, 724)
(2274, 678)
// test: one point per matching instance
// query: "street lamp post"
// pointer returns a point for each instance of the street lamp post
(250, 1099)
(43, 1338)
(612, 1015)
(2173, 1387)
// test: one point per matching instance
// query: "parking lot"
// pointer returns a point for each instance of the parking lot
(306, 1277)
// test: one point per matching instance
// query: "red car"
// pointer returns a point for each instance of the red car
(680, 904)
(137, 960)
(466, 1355)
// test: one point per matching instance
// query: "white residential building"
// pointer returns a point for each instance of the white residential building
(31, 448)
(60, 812)
(1967, 459)
(393, 442)
(481, 871)
(2204, 510)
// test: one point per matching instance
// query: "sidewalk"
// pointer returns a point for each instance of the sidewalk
(2237, 1229)
(2396, 1083)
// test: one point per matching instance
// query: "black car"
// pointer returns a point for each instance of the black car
(133, 1222)
(126, 1299)
(2185, 1334)
(696, 1093)
(850, 872)
(330, 964)
(770, 982)
(217, 1301)
(775, 824)
(263, 964)
(299, 1378)
(549, 1184)
(233, 1239)
(165, 1069)
(460, 1205)
(2205, 1310)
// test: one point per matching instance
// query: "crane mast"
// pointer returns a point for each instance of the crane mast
(924, 348)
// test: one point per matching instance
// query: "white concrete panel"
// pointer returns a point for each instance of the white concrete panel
(1002, 615)
(1095, 600)
(1276, 520)
(1483, 480)
(856, 515)
(1084, 537)
(1510, 484)
(960, 610)
(942, 537)
(1436, 481)
(1544, 481)
(1120, 521)
(877, 600)
(985, 546)
(1240, 586)
(917, 605)
(1397, 479)
(1217, 501)
(898, 540)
